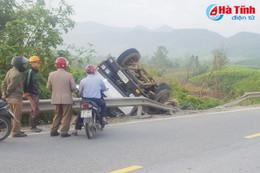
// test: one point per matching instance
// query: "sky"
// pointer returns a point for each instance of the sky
(177, 14)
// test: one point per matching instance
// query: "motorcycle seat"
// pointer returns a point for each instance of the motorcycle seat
(89, 102)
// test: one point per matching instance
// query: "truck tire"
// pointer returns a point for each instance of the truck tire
(129, 57)
(162, 93)
(163, 86)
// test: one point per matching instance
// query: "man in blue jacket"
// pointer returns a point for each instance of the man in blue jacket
(90, 88)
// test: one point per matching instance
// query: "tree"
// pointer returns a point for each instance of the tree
(160, 59)
(192, 64)
(6, 12)
(29, 28)
(220, 62)
(80, 57)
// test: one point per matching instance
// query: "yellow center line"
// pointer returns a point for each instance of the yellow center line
(253, 136)
(131, 168)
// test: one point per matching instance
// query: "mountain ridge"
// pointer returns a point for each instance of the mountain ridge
(179, 42)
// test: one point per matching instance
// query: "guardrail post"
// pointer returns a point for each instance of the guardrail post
(139, 111)
(246, 102)
(170, 112)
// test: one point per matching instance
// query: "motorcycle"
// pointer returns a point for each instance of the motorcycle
(5, 120)
(92, 121)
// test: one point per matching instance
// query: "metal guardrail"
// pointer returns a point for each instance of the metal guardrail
(45, 104)
(243, 98)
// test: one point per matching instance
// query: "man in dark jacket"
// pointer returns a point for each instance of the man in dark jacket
(12, 90)
(31, 91)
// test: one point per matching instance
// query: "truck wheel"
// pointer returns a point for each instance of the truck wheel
(162, 93)
(163, 86)
(128, 57)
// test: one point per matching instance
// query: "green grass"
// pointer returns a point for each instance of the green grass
(179, 74)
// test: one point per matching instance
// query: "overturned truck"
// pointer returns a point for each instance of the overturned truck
(126, 78)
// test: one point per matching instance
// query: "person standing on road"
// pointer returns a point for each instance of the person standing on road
(61, 84)
(12, 90)
(91, 88)
(31, 91)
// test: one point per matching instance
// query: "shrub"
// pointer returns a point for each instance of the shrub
(183, 97)
(233, 81)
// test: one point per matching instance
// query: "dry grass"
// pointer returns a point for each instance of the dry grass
(195, 88)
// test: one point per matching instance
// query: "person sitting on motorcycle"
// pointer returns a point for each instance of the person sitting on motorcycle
(90, 88)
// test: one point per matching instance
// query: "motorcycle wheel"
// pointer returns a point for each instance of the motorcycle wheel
(90, 129)
(5, 128)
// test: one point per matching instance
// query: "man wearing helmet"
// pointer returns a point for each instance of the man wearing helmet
(61, 84)
(12, 89)
(90, 88)
(31, 91)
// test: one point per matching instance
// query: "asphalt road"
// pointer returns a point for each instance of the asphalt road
(199, 143)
